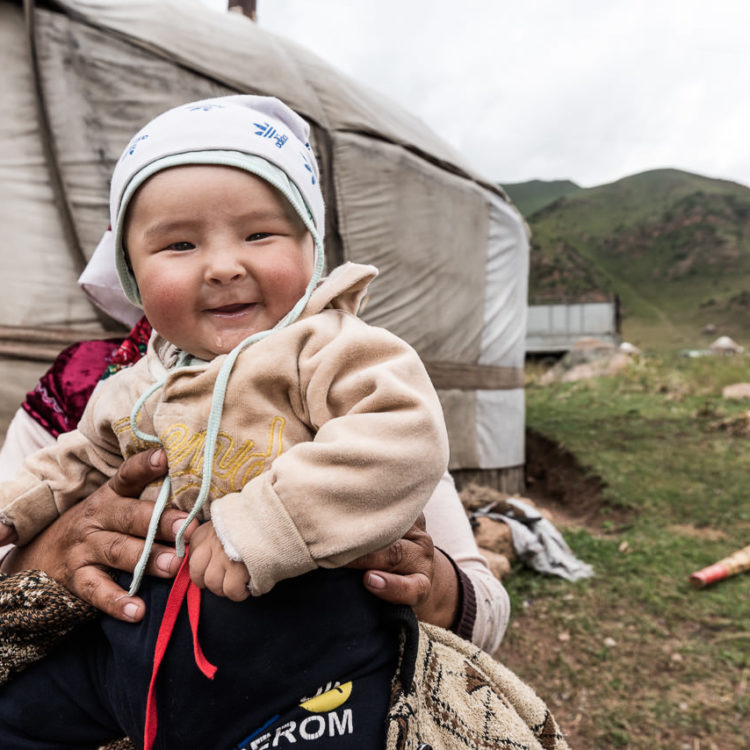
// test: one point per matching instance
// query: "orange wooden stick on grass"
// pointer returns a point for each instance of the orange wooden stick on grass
(736, 563)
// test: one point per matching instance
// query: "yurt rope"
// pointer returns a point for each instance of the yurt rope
(65, 209)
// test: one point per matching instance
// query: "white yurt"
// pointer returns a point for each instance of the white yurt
(725, 345)
(79, 77)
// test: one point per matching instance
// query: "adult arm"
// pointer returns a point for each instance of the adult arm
(414, 572)
(449, 527)
(105, 531)
(449, 584)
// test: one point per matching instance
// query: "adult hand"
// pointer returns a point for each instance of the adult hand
(411, 571)
(104, 531)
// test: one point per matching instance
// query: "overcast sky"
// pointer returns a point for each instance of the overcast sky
(588, 90)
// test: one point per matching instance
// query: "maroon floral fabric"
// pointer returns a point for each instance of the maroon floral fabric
(59, 398)
(132, 348)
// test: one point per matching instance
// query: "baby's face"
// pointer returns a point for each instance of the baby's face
(218, 255)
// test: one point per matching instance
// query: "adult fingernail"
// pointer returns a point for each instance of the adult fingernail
(164, 561)
(156, 458)
(375, 581)
(177, 525)
(130, 611)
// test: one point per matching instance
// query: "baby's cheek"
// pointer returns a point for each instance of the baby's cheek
(165, 304)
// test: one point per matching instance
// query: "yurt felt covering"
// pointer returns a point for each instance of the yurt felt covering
(79, 77)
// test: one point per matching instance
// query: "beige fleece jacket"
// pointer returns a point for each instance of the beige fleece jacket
(331, 441)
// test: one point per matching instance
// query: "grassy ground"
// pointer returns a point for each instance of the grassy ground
(635, 657)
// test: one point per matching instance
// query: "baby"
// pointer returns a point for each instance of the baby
(301, 436)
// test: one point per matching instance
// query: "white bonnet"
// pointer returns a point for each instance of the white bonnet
(257, 133)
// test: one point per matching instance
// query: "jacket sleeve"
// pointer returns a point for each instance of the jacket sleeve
(54, 478)
(379, 448)
(485, 606)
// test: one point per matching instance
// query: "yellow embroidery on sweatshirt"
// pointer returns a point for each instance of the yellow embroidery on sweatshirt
(235, 463)
(133, 444)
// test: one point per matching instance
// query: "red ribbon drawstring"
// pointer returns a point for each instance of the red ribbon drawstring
(182, 588)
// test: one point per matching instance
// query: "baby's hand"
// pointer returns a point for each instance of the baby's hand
(210, 568)
(7, 534)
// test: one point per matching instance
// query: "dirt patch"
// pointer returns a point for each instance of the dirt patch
(589, 677)
(697, 532)
(559, 484)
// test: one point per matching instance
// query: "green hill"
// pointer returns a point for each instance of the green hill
(674, 246)
(530, 196)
